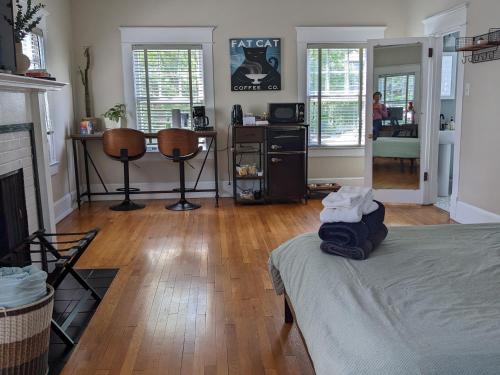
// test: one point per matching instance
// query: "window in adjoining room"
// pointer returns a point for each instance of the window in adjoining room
(166, 77)
(398, 90)
(336, 92)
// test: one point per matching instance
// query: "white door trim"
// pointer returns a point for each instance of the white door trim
(448, 22)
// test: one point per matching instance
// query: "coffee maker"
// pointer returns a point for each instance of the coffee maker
(237, 115)
(200, 120)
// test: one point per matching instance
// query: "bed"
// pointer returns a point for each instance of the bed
(427, 301)
(395, 147)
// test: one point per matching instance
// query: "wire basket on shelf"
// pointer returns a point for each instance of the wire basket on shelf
(480, 48)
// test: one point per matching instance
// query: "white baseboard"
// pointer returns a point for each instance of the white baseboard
(465, 213)
(347, 181)
(64, 206)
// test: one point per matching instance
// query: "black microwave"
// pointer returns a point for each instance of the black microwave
(286, 113)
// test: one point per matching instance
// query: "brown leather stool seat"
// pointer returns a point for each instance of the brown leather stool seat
(125, 145)
(179, 145)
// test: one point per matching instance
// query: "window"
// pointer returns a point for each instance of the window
(398, 90)
(336, 94)
(34, 48)
(165, 78)
(50, 133)
(448, 75)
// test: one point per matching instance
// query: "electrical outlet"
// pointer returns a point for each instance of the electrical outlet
(467, 89)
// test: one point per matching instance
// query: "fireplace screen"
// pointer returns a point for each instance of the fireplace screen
(14, 250)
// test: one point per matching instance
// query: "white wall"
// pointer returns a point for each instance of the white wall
(397, 55)
(479, 167)
(96, 22)
(58, 58)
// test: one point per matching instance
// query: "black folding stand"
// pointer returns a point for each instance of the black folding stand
(58, 263)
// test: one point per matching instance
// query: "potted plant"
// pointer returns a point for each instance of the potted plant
(114, 116)
(23, 24)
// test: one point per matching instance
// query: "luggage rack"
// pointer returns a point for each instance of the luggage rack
(480, 48)
(58, 254)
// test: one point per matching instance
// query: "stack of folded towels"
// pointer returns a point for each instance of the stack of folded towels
(353, 223)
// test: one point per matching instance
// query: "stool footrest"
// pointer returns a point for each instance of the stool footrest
(130, 189)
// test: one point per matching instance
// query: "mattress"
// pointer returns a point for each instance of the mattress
(427, 301)
(393, 147)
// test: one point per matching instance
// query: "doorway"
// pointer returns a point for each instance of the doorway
(447, 121)
(444, 173)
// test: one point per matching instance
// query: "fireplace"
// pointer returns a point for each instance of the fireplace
(14, 227)
(20, 201)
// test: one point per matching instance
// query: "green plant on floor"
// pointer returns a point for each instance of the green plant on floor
(25, 20)
(116, 113)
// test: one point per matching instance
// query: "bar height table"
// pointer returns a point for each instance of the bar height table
(87, 158)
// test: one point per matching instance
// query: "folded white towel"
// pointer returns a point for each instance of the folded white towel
(342, 200)
(348, 196)
(346, 215)
(369, 207)
(362, 190)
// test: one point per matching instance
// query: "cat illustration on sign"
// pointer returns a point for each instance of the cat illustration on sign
(255, 64)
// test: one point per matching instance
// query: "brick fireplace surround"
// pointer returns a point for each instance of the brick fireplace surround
(23, 143)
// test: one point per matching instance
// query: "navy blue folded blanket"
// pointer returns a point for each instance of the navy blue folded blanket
(355, 240)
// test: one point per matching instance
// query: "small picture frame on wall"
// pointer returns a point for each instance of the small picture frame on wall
(255, 64)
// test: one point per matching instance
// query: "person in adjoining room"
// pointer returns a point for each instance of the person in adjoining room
(379, 114)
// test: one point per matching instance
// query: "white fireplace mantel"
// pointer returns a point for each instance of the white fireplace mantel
(11, 82)
(37, 89)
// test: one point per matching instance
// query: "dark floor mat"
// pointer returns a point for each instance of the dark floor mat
(67, 296)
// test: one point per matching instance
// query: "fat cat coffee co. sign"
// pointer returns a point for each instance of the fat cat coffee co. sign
(255, 64)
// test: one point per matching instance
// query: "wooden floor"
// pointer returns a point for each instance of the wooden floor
(387, 174)
(193, 295)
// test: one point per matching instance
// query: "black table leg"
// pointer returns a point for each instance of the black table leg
(77, 177)
(216, 172)
(87, 174)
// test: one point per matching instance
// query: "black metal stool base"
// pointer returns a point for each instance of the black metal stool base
(127, 206)
(183, 205)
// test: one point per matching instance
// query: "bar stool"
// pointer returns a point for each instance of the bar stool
(125, 145)
(179, 145)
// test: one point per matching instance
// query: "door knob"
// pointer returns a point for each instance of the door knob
(370, 136)
(275, 147)
(276, 160)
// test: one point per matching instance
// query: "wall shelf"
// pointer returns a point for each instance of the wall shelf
(480, 48)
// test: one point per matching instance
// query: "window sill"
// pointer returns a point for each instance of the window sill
(347, 151)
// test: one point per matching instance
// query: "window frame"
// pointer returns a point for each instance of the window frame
(172, 47)
(182, 36)
(362, 49)
(330, 35)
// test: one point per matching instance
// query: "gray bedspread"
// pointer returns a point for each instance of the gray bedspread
(427, 301)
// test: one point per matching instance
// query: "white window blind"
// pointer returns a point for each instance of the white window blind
(165, 78)
(336, 94)
(398, 90)
(33, 47)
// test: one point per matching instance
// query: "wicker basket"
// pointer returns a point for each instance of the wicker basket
(24, 337)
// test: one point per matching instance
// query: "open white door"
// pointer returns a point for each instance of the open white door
(398, 139)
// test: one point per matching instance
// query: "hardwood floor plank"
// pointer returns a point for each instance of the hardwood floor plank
(193, 294)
